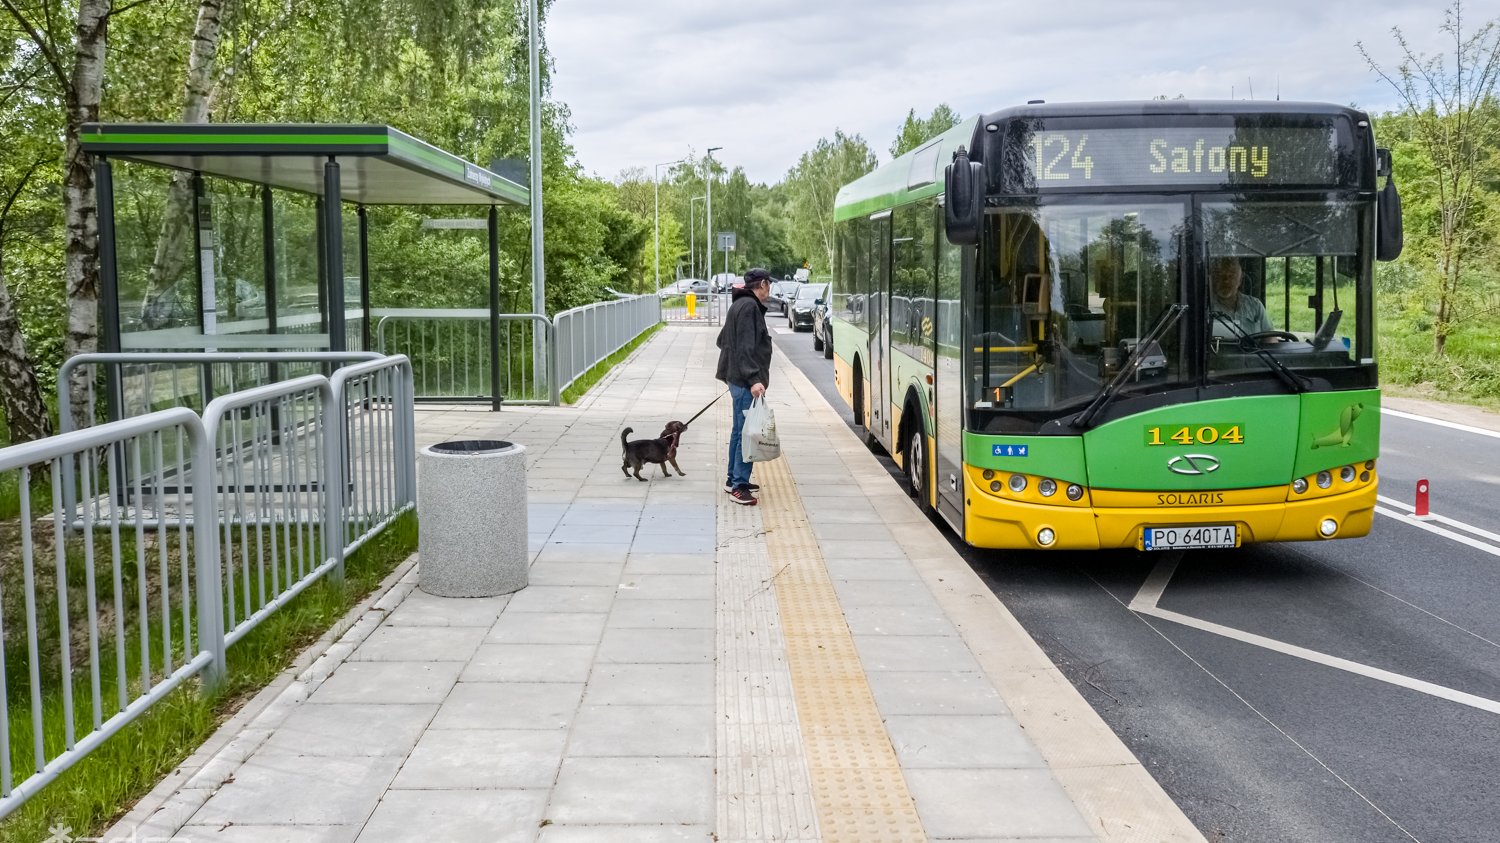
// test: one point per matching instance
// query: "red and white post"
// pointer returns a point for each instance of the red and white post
(1421, 511)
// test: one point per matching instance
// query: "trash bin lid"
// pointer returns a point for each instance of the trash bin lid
(472, 446)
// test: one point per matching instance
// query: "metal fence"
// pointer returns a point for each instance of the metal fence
(694, 309)
(451, 353)
(189, 531)
(586, 335)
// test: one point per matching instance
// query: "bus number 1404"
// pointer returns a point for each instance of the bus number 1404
(1207, 434)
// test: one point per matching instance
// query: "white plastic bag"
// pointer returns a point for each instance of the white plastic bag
(758, 442)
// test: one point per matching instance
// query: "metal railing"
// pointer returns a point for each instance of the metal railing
(451, 354)
(189, 532)
(142, 382)
(706, 308)
(586, 335)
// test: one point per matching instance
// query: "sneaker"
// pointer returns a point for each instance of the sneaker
(743, 497)
(729, 487)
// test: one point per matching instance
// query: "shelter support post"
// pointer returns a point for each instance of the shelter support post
(109, 281)
(494, 231)
(364, 276)
(333, 248)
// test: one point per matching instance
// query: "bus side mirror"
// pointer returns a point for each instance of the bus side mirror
(1388, 231)
(963, 201)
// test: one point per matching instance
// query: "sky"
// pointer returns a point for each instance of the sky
(651, 81)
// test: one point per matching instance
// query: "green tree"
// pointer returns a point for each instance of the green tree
(915, 131)
(1448, 103)
(811, 187)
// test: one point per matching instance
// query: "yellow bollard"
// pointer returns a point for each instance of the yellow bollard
(692, 306)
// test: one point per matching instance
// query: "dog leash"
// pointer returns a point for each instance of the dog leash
(705, 408)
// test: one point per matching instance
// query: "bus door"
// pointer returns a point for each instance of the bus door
(880, 328)
(948, 372)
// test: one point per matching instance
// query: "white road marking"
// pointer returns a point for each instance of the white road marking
(1440, 422)
(1447, 534)
(1145, 604)
(1451, 522)
(1145, 600)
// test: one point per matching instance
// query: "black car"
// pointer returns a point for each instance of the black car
(822, 329)
(782, 292)
(799, 313)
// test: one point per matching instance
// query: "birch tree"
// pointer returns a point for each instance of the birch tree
(1449, 103)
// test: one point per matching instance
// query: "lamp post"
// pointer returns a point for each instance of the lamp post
(656, 227)
(693, 235)
(708, 158)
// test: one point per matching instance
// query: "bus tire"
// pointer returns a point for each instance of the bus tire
(916, 462)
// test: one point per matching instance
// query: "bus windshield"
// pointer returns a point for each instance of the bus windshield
(1064, 296)
(1282, 277)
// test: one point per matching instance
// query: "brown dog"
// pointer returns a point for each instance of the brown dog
(661, 450)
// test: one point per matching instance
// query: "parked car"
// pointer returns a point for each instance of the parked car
(696, 286)
(800, 314)
(782, 292)
(822, 328)
(723, 282)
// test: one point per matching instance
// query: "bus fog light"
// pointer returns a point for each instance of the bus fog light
(1364, 477)
(1047, 486)
(1346, 474)
(988, 474)
(1299, 485)
(1324, 480)
(1075, 491)
(1369, 465)
(1045, 537)
(1328, 527)
(995, 486)
(1018, 483)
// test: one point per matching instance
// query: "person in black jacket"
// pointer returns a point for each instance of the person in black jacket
(745, 365)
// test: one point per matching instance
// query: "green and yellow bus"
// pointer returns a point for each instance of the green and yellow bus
(1117, 325)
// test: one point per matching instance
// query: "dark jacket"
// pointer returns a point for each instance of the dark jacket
(745, 343)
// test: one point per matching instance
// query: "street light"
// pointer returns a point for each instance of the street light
(656, 227)
(693, 235)
(708, 158)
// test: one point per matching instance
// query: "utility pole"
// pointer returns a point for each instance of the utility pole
(656, 227)
(539, 350)
(693, 236)
(708, 166)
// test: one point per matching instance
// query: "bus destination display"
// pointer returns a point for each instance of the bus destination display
(1167, 157)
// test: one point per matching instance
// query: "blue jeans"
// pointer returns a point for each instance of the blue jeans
(739, 470)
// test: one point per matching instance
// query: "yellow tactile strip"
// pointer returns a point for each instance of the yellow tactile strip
(857, 784)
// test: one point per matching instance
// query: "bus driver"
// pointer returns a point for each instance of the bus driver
(1245, 311)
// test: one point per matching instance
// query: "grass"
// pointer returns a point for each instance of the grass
(578, 388)
(103, 785)
(1466, 373)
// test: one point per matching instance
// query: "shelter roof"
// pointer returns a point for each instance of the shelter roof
(378, 165)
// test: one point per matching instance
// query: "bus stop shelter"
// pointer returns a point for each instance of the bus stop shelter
(236, 237)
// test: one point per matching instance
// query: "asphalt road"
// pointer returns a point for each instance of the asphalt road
(1329, 691)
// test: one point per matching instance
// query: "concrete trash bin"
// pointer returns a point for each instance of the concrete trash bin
(471, 505)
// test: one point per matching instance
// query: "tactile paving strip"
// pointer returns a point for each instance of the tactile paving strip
(856, 777)
(763, 788)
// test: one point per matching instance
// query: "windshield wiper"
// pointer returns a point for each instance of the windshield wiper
(1294, 382)
(1167, 319)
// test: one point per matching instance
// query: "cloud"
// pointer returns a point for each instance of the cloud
(650, 80)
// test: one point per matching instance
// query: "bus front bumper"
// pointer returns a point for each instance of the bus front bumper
(992, 522)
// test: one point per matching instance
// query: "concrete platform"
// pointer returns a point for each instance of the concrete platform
(819, 667)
